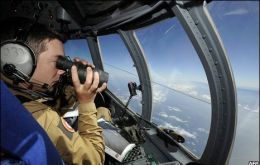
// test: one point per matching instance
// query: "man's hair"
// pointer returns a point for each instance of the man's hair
(35, 34)
(38, 36)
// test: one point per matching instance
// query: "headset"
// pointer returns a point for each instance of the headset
(18, 61)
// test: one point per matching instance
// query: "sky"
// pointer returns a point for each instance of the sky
(238, 25)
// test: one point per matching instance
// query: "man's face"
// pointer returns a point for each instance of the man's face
(46, 71)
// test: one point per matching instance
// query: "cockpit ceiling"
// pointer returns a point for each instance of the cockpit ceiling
(100, 16)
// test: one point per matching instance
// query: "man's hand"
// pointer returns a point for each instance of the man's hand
(86, 92)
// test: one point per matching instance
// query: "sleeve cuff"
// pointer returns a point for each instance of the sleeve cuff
(87, 108)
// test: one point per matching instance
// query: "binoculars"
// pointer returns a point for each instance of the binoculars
(65, 64)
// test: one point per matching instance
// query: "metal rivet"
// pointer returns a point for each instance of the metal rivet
(196, 22)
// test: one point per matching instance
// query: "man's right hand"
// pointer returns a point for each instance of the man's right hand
(86, 92)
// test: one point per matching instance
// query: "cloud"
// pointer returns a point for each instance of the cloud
(186, 88)
(192, 143)
(179, 130)
(247, 108)
(237, 12)
(203, 130)
(159, 96)
(175, 82)
(183, 87)
(207, 97)
(184, 133)
(174, 109)
(178, 119)
(256, 110)
(163, 114)
(193, 93)
(120, 95)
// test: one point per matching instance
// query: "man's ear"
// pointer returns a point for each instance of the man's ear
(60, 72)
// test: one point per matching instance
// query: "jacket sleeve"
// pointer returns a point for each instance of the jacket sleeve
(89, 129)
(86, 146)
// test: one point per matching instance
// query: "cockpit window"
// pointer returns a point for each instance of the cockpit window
(118, 63)
(78, 48)
(181, 96)
(238, 26)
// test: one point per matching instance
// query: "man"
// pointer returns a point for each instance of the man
(85, 146)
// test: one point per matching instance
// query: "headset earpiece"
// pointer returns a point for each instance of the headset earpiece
(18, 61)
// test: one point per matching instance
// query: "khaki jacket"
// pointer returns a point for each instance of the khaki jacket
(85, 146)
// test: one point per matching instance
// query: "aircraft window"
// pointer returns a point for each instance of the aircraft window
(181, 96)
(78, 48)
(238, 25)
(118, 63)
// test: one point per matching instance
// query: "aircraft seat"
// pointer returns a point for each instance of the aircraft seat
(22, 138)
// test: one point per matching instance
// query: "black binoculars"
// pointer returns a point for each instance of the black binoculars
(65, 64)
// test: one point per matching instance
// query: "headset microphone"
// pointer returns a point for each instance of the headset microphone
(10, 70)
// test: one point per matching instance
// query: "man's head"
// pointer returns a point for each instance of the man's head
(45, 44)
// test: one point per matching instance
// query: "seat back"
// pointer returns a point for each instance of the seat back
(21, 135)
